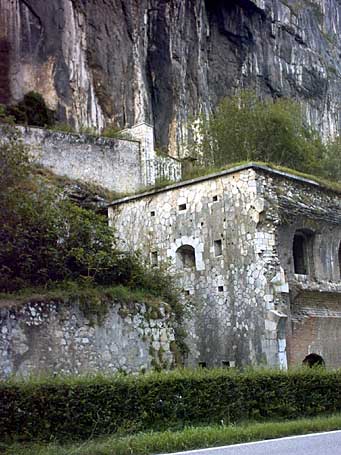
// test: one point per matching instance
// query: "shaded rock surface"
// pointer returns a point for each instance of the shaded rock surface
(163, 62)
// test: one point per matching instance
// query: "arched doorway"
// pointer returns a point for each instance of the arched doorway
(313, 360)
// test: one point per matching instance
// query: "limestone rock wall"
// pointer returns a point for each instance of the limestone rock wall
(164, 62)
(52, 336)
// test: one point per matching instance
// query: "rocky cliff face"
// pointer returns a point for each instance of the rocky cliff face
(164, 61)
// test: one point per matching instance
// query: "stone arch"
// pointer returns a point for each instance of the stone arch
(185, 257)
(313, 360)
(302, 250)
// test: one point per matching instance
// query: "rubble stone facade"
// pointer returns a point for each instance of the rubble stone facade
(50, 336)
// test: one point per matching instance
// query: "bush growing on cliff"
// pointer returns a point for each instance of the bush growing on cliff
(331, 163)
(46, 238)
(247, 128)
(32, 110)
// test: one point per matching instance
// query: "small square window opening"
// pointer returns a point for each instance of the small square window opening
(218, 247)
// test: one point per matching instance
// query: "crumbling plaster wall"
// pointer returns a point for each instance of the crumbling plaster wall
(231, 298)
(53, 336)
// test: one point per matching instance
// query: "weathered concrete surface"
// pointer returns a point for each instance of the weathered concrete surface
(52, 336)
(240, 226)
(113, 61)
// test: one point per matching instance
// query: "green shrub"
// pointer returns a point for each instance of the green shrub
(331, 163)
(32, 110)
(84, 407)
(111, 131)
(247, 128)
(46, 238)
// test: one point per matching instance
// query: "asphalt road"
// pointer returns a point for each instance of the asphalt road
(314, 444)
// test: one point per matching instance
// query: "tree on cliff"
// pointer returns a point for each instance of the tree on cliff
(245, 128)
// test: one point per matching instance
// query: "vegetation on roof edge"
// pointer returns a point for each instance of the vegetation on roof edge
(206, 172)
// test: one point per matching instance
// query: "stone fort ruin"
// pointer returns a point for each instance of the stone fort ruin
(257, 255)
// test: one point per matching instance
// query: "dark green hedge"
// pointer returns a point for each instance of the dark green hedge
(84, 407)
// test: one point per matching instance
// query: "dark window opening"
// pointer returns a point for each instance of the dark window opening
(225, 363)
(202, 364)
(182, 207)
(215, 198)
(303, 252)
(185, 257)
(220, 288)
(152, 213)
(154, 258)
(187, 292)
(218, 248)
(313, 360)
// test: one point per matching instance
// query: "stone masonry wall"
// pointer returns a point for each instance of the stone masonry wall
(167, 168)
(120, 165)
(153, 167)
(242, 291)
(313, 305)
(67, 337)
(316, 328)
(228, 291)
(112, 163)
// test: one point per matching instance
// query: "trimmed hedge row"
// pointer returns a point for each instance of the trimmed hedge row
(74, 408)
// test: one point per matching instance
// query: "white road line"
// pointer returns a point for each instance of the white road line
(244, 444)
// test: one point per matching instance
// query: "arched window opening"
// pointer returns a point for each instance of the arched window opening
(185, 257)
(313, 360)
(303, 252)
